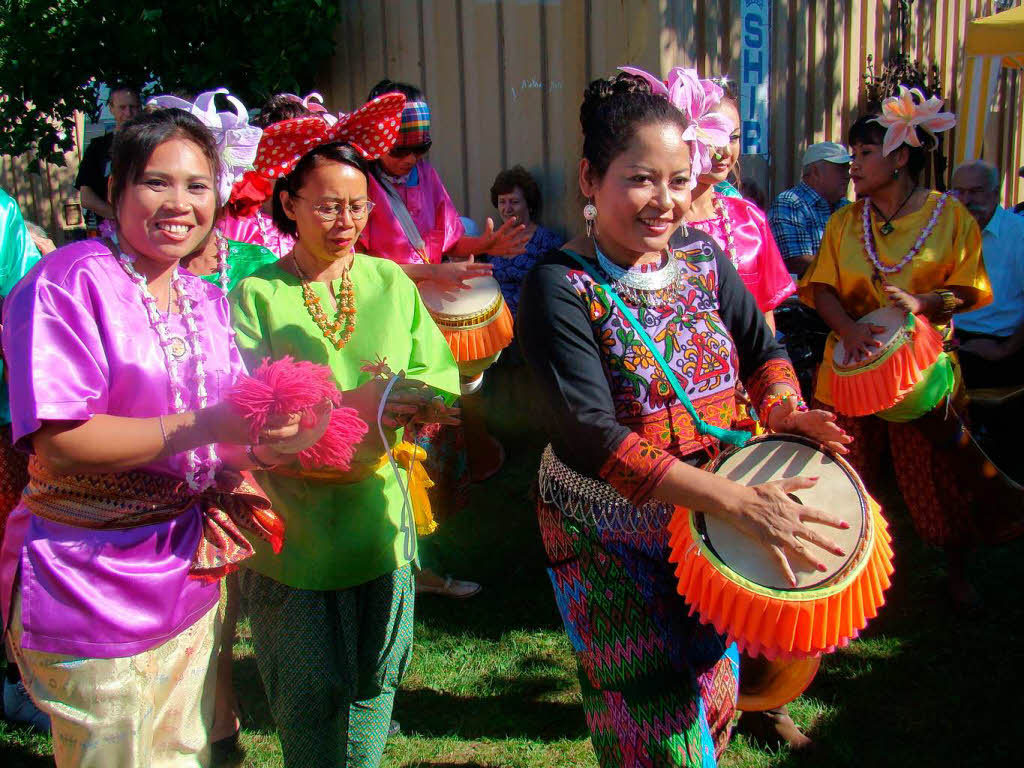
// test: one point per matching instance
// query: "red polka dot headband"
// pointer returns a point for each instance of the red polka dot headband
(371, 130)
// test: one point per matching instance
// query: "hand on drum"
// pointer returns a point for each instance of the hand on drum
(451, 277)
(816, 424)
(774, 518)
(859, 341)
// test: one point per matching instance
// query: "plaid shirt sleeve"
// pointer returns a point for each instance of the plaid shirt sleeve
(787, 218)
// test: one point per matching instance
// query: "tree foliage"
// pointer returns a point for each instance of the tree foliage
(55, 53)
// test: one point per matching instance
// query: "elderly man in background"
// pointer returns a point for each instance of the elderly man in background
(797, 217)
(91, 182)
(992, 338)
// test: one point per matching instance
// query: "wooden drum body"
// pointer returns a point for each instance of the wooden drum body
(475, 321)
(734, 583)
(908, 376)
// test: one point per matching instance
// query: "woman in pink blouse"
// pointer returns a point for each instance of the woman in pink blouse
(414, 221)
(739, 226)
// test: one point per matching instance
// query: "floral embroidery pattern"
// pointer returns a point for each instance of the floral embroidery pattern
(635, 468)
(692, 338)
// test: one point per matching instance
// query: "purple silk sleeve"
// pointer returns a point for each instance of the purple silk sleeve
(79, 343)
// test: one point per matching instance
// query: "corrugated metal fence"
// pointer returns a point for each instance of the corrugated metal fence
(505, 77)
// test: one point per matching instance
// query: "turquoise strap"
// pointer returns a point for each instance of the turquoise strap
(735, 437)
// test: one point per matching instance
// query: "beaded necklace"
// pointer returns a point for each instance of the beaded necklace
(198, 474)
(730, 243)
(653, 289)
(869, 238)
(340, 331)
(222, 259)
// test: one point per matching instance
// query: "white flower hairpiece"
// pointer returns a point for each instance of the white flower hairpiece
(903, 113)
(237, 141)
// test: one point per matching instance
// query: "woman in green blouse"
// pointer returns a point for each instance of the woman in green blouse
(332, 613)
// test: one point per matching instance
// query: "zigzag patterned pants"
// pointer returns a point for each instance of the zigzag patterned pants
(659, 689)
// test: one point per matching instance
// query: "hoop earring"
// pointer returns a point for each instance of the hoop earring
(590, 216)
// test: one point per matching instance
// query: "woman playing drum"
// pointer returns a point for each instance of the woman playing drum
(904, 245)
(625, 450)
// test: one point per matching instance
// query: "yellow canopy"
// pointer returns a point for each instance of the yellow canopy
(992, 42)
(1001, 34)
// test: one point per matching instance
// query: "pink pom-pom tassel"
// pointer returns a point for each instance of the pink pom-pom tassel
(286, 386)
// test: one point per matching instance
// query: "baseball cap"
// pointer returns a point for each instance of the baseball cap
(826, 150)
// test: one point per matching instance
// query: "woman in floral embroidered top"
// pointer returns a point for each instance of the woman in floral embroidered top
(619, 431)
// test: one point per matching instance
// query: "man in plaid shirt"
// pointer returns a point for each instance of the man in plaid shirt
(797, 217)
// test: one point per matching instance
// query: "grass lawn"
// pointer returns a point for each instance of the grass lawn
(493, 682)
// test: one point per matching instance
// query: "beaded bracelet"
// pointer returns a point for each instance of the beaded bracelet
(250, 451)
(778, 398)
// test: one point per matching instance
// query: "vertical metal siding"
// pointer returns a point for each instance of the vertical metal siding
(505, 79)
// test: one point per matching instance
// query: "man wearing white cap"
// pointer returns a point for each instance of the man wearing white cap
(798, 216)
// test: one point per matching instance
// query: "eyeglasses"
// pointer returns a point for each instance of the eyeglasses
(330, 210)
(400, 152)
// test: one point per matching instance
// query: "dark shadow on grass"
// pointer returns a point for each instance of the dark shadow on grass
(432, 714)
(18, 756)
(931, 687)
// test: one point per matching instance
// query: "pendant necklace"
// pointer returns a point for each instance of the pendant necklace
(887, 227)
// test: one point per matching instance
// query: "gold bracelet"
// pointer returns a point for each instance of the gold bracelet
(949, 300)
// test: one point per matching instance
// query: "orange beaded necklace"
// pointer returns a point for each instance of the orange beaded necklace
(340, 331)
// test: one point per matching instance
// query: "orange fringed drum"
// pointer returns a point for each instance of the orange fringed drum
(475, 321)
(734, 583)
(902, 380)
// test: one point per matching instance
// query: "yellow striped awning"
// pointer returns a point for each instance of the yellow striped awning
(992, 43)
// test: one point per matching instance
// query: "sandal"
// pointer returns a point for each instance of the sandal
(460, 590)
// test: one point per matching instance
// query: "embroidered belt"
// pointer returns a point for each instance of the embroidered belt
(136, 498)
(596, 503)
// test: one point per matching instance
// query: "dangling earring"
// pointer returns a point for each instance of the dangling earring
(896, 173)
(590, 215)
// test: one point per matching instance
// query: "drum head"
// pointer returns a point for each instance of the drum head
(838, 491)
(890, 318)
(480, 298)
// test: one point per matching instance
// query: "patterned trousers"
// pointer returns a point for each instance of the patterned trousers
(151, 710)
(331, 662)
(659, 688)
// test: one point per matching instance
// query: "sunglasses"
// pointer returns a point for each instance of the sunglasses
(399, 152)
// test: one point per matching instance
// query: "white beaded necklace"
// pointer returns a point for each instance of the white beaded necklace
(869, 237)
(199, 476)
(730, 243)
(223, 248)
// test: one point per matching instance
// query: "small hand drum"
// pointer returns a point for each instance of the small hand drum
(905, 378)
(733, 581)
(476, 322)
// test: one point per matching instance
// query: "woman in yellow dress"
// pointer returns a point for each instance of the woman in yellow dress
(905, 245)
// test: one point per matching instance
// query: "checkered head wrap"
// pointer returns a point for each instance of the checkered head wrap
(415, 130)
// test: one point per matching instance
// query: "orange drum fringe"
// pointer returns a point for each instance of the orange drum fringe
(478, 343)
(879, 386)
(771, 625)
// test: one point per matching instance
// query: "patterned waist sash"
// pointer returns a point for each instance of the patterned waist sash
(136, 498)
(596, 503)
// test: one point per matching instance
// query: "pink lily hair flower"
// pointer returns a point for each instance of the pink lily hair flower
(903, 113)
(696, 99)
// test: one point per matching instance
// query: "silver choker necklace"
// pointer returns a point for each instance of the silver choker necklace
(654, 288)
